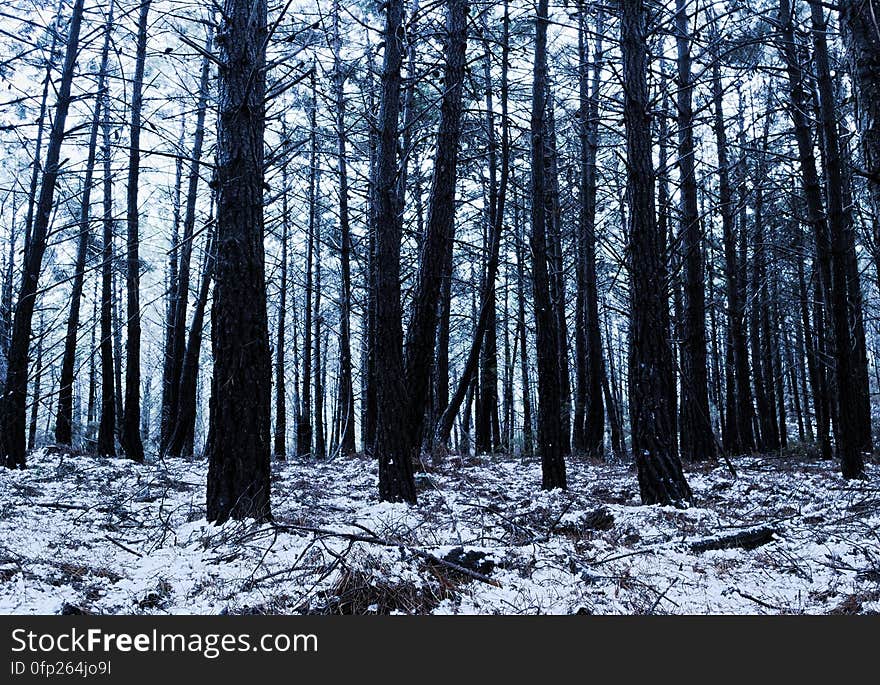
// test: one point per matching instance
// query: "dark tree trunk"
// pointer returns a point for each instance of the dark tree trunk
(660, 476)
(368, 375)
(107, 427)
(239, 444)
(487, 406)
(507, 380)
(64, 418)
(793, 389)
(440, 229)
(91, 410)
(304, 420)
(528, 445)
(13, 405)
(550, 435)
(182, 442)
(859, 21)
(6, 301)
(170, 307)
(177, 343)
(589, 419)
(762, 361)
(130, 435)
(391, 445)
(666, 228)
(117, 348)
(799, 107)
(739, 437)
(346, 385)
(440, 398)
(320, 441)
(280, 444)
(850, 438)
(778, 371)
(856, 303)
(802, 368)
(486, 316)
(35, 398)
(614, 421)
(556, 271)
(37, 169)
(697, 439)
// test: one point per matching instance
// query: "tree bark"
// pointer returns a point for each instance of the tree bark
(660, 476)
(239, 444)
(859, 24)
(391, 444)
(304, 432)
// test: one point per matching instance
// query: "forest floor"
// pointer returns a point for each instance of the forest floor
(106, 536)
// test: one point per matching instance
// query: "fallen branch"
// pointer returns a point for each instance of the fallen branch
(123, 547)
(372, 540)
(760, 602)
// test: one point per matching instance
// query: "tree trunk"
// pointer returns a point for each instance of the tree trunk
(738, 393)
(859, 22)
(107, 427)
(64, 418)
(550, 435)
(440, 229)
(697, 439)
(91, 411)
(320, 442)
(171, 305)
(346, 385)
(528, 445)
(589, 426)
(391, 445)
(41, 127)
(182, 442)
(130, 436)
(13, 405)
(184, 251)
(304, 421)
(280, 444)
(38, 378)
(487, 406)
(815, 212)
(239, 443)
(849, 437)
(487, 298)
(660, 476)
(762, 361)
(556, 271)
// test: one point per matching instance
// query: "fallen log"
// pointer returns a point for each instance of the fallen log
(746, 539)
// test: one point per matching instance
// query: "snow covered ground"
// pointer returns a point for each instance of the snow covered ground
(103, 536)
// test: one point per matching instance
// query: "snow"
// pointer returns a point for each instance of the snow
(109, 536)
